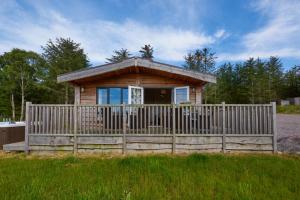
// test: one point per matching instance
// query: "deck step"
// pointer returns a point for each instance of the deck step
(18, 146)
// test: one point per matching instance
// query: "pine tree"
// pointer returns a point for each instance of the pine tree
(190, 62)
(201, 60)
(209, 60)
(292, 82)
(275, 77)
(119, 56)
(147, 52)
(62, 56)
(260, 81)
(225, 83)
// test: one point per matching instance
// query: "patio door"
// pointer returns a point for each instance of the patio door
(135, 95)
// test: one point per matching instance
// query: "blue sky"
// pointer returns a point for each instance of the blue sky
(235, 30)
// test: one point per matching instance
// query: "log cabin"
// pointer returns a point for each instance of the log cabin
(140, 105)
(137, 81)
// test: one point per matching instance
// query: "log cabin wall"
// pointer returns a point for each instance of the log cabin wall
(88, 95)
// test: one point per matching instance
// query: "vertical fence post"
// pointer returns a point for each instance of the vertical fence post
(75, 148)
(173, 130)
(274, 127)
(27, 124)
(223, 127)
(124, 127)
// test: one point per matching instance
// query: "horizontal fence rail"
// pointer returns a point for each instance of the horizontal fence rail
(146, 120)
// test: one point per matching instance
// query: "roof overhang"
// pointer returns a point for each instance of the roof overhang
(134, 62)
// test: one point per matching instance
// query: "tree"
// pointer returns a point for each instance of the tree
(7, 92)
(292, 82)
(260, 83)
(226, 88)
(62, 56)
(202, 60)
(147, 52)
(20, 72)
(190, 62)
(209, 60)
(275, 78)
(253, 81)
(119, 56)
(248, 75)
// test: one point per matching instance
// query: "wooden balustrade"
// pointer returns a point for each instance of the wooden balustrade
(151, 119)
(215, 120)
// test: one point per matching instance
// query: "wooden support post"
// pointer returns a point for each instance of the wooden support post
(124, 128)
(274, 127)
(75, 128)
(174, 130)
(224, 127)
(27, 124)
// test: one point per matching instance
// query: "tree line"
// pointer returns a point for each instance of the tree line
(252, 81)
(30, 76)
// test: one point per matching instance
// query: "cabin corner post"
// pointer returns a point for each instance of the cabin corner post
(77, 94)
(223, 127)
(199, 95)
(124, 128)
(75, 147)
(27, 124)
(274, 127)
(173, 130)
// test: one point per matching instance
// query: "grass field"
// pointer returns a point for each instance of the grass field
(289, 109)
(198, 176)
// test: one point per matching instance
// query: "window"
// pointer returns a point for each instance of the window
(125, 95)
(112, 95)
(102, 96)
(181, 95)
(115, 95)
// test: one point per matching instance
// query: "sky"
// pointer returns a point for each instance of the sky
(235, 30)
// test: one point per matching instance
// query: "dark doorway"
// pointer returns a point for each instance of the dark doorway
(157, 95)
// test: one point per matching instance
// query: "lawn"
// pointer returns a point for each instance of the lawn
(289, 109)
(198, 176)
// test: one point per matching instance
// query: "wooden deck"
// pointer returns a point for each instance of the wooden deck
(154, 128)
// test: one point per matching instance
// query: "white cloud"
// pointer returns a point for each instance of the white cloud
(280, 35)
(220, 33)
(98, 37)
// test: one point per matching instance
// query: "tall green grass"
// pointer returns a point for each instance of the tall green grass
(152, 177)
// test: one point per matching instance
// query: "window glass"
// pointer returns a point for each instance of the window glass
(102, 96)
(125, 96)
(112, 95)
(115, 96)
(136, 96)
(181, 95)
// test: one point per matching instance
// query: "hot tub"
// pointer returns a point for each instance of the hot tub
(11, 132)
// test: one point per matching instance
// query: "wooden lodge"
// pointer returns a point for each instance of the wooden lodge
(140, 105)
(146, 81)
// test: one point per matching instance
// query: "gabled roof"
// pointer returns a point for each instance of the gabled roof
(134, 62)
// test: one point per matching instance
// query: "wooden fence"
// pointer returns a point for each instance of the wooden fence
(174, 128)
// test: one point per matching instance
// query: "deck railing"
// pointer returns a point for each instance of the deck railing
(164, 119)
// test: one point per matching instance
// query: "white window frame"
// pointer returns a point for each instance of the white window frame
(129, 93)
(184, 87)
